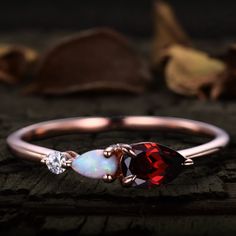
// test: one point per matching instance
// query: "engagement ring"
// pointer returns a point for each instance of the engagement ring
(144, 164)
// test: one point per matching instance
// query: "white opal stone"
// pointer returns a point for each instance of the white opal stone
(93, 164)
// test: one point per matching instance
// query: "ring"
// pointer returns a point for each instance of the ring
(143, 164)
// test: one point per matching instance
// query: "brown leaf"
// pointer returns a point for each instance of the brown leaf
(168, 32)
(230, 57)
(225, 86)
(189, 71)
(15, 62)
(98, 60)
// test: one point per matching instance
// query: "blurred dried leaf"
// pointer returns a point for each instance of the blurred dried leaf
(97, 60)
(189, 71)
(168, 32)
(230, 57)
(15, 62)
(225, 86)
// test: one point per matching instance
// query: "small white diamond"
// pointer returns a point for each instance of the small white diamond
(55, 161)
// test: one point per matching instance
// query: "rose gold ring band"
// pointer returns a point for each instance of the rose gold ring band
(143, 164)
(19, 140)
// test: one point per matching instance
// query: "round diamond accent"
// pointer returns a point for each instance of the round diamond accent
(55, 161)
(154, 164)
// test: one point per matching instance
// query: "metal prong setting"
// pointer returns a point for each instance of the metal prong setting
(108, 178)
(70, 156)
(188, 162)
(44, 160)
(67, 163)
(128, 180)
(119, 149)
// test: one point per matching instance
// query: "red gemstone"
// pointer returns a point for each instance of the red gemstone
(154, 164)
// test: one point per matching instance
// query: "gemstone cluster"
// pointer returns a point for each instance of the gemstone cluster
(144, 164)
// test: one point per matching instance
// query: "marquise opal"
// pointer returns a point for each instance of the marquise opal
(94, 164)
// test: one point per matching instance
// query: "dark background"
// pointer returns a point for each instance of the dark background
(201, 201)
(201, 18)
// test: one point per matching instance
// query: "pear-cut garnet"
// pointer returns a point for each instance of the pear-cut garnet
(154, 164)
